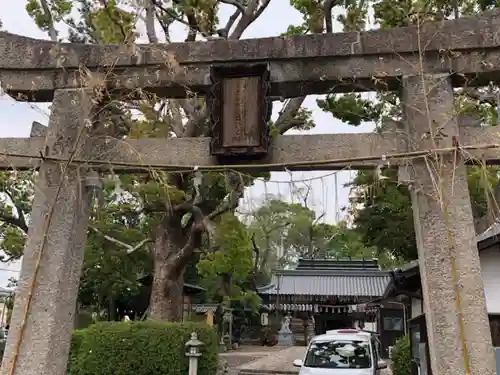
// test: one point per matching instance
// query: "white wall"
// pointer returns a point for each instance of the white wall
(3, 314)
(371, 326)
(490, 272)
(416, 307)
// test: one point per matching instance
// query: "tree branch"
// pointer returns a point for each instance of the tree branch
(150, 22)
(15, 222)
(261, 9)
(191, 23)
(327, 9)
(174, 108)
(9, 259)
(20, 220)
(194, 210)
(130, 249)
(287, 115)
(224, 32)
(246, 19)
(117, 22)
(235, 4)
(193, 26)
(180, 259)
(164, 26)
(170, 13)
(196, 115)
(52, 31)
(256, 261)
(476, 95)
(231, 203)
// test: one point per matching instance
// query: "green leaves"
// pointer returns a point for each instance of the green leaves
(110, 271)
(46, 13)
(234, 258)
(488, 4)
(15, 205)
(383, 214)
(295, 30)
(140, 348)
(351, 108)
(385, 219)
(284, 231)
(392, 13)
(402, 357)
(12, 243)
(112, 25)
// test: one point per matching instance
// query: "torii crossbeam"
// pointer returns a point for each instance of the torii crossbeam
(467, 48)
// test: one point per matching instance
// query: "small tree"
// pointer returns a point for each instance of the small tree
(401, 357)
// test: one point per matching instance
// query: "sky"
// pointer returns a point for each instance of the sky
(327, 191)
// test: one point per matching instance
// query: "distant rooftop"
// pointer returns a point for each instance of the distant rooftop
(492, 231)
(5, 292)
(336, 264)
(330, 277)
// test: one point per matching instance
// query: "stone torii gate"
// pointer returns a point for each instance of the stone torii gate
(424, 63)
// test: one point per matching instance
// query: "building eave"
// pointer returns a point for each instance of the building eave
(328, 284)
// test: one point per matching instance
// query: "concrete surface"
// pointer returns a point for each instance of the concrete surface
(264, 360)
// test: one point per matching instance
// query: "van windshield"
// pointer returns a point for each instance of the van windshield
(339, 354)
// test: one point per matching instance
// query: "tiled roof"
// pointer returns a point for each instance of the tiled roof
(369, 284)
(336, 264)
(5, 292)
(203, 308)
(331, 278)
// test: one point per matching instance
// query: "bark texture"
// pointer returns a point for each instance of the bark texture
(174, 247)
(167, 290)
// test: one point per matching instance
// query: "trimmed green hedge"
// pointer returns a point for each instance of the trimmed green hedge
(140, 348)
(76, 342)
(401, 357)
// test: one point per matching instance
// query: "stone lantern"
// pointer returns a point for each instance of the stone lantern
(193, 352)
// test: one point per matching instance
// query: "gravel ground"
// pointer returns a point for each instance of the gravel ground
(274, 359)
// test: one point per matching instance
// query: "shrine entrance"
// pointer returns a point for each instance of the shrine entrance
(430, 146)
(326, 294)
(328, 322)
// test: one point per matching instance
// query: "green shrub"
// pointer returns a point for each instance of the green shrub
(76, 342)
(140, 348)
(2, 347)
(401, 357)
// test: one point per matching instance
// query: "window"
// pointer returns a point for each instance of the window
(347, 354)
(415, 340)
(495, 329)
(393, 323)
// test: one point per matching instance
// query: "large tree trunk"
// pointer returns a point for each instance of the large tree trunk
(166, 301)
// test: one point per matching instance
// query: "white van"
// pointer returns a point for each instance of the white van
(342, 352)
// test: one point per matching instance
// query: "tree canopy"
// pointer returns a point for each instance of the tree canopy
(381, 208)
(284, 232)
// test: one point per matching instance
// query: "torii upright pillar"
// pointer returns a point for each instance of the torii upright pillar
(42, 321)
(454, 302)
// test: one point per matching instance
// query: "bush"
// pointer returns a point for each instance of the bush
(401, 357)
(140, 348)
(2, 347)
(76, 342)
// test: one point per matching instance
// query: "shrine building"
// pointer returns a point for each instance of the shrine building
(326, 294)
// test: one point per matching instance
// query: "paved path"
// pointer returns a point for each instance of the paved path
(280, 361)
(263, 360)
